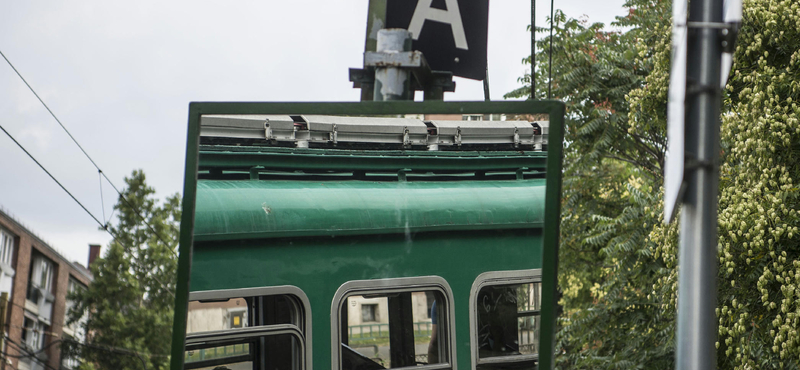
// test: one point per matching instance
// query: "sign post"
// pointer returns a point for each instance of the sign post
(693, 166)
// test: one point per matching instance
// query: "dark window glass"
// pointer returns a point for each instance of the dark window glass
(508, 321)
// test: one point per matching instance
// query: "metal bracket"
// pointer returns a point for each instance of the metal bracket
(401, 174)
(406, 142)
(334, 135)
(458, 136)
(693, 164)
(267, 131)
(521, 173)
(728, 31)
(254, 172)
(516, 138)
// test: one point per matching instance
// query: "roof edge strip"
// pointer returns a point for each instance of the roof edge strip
(364, 160)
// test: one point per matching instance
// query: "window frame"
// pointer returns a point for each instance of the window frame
(246, 333)
(303, 327)
(394, 285)
(493, 278)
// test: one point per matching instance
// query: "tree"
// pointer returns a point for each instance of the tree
(614, 243)
(614, 156)
(130, 302)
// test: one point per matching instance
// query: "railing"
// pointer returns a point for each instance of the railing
(376, 331)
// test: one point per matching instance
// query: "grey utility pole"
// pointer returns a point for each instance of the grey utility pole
(392, 77)
(698, 264)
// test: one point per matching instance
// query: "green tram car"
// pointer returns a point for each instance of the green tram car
(364, 243)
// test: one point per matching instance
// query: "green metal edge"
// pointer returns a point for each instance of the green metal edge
(555, 109)
(311, 233)
(552, 227)
(186, 232)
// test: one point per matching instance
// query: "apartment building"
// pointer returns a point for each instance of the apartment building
(37, 279)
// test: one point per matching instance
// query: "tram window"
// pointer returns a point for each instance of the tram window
(221, 325)
(391, 328)
(506, 322)
(211, 314)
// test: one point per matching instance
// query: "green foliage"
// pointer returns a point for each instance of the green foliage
(618, 260)
(613, 164)
(130, 301)
(759, 244)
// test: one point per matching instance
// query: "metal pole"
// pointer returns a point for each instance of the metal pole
(698, 264)
(550, 64)
(486, 86)
(3, 313)
(393, 83)
(533, 49)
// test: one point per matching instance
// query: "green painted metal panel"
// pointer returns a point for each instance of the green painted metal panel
(268, 209)
(319, 265)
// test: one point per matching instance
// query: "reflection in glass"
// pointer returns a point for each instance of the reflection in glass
(382, 331)
(216, 339)
(281, 351)
(231, 356)
(233, 313)
(216, 315)
(508, 320)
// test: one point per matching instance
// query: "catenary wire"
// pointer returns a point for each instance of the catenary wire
(51, 176)
(79, 203)
(138, 213)
(21, 348)
(102, 202)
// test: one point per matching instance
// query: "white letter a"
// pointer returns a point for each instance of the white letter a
(451, 16)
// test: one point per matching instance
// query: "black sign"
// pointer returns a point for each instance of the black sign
(451, 34)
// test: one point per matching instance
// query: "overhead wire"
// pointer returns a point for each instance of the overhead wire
(32, 354)
(124, 199)
(22, 348)
(109, 231)
(51, 176)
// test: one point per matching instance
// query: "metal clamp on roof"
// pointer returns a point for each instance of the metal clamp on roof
(317, 131)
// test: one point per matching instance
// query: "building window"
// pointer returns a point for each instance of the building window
(369, 312)
(33, 333)
(254, 328)
(505, 319)
(45, 274)
(40, 299)
(6, 247)
(74, 329)
(385, 324)
(41, 273)
(6, 260)
(472, 117)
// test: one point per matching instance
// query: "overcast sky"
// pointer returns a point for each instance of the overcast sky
(120, 76)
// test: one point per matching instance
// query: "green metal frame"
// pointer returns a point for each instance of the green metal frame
(555, 110)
